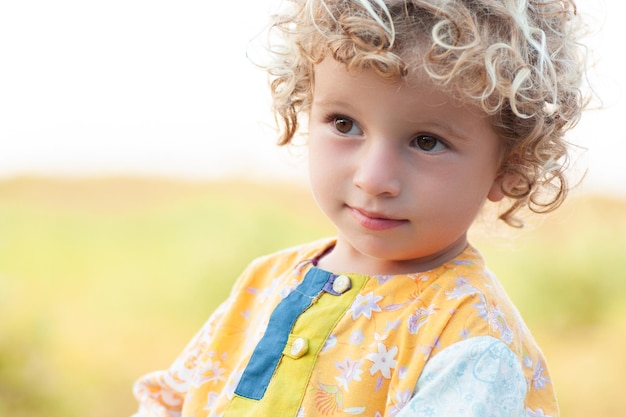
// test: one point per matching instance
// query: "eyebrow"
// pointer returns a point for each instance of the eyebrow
(331, 102)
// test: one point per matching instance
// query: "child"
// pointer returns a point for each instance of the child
(418, 112)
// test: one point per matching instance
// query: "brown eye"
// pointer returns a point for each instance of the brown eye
(428, 143)
(343, 125)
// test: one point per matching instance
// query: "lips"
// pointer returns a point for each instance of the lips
(375, 221)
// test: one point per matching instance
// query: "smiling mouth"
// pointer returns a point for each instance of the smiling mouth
(375, 221)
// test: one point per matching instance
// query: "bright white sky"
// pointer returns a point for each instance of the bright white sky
(163, 87)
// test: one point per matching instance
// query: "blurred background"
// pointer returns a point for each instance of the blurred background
(138, 176)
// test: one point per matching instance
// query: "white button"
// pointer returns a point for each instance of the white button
(298, 347)
(341, 284)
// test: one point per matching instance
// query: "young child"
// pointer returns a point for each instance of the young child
(418, 112)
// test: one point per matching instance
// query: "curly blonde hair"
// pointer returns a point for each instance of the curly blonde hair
(518, 60)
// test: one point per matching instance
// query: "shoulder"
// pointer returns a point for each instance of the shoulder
(482, 326)
(477, 303)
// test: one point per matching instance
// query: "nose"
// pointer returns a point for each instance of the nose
(377, 170)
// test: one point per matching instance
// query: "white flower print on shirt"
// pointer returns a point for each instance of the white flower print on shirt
(357, 337)
(402, 399)
(267, 292)
(384, 360)
(213, 372)
(330, 343)
(350, 371)
(539, 378)
(496, 319)
(462, 289)
(364, 305)
(536, 413)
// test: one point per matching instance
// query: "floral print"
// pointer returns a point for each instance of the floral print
(437, 343)
(350, 370)
(365, 305)
(383, 360)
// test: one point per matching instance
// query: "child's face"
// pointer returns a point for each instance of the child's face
(401, 169)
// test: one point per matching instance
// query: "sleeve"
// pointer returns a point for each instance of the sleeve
(479, 376)
(161, 393)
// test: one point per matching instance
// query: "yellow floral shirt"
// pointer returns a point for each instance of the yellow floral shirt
(295, 340)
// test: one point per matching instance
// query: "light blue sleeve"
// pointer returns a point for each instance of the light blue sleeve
(478, 377)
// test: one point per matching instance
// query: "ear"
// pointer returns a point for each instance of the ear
(506, 181)
(495, 192)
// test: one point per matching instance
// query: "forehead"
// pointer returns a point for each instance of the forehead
(333, 80)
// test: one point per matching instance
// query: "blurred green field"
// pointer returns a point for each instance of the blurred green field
(103, 280)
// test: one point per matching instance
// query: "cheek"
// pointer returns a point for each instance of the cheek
(459, 195)
(330, 172)
(324, 187)
(316, 159)
(321, 167)
(326, 155)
